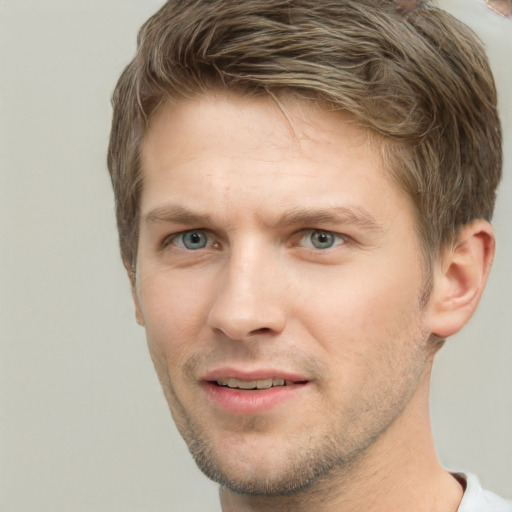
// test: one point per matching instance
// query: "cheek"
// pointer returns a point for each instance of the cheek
(174, 311)
(369, 333)
(359, 309)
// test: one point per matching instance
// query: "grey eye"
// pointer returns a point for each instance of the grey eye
(319, 239)
(193, 240)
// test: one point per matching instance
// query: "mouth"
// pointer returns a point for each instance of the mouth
(247, 392)
(254, 385)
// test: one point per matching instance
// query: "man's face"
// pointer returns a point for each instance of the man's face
(275, 253)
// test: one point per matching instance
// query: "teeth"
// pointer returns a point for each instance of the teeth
(252, 384)
(264, 384)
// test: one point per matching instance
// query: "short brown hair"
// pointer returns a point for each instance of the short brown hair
(421, 80)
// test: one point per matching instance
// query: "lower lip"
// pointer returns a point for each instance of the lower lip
(250, 401)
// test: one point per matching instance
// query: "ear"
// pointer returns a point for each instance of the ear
(460, 278)
(132, 276)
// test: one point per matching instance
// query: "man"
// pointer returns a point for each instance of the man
(303, 196)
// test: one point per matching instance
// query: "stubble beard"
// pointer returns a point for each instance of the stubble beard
(310, 462)
(303, 467)
(303, 470)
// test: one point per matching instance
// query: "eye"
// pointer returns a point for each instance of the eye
(320, 239)
(190, 240)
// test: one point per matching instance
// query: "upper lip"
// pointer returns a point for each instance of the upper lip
(252, 375)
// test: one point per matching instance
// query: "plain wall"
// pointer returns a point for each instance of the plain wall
(83, 422)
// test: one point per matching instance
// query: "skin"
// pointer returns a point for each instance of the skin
(255, 182)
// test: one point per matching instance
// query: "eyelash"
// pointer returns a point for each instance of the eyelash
(302, 236)
(171, 239)
(338, 238)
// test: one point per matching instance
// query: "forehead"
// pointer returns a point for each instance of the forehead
(270, 124)
(223, 151)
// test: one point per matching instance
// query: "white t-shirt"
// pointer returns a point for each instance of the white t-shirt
(477, 500)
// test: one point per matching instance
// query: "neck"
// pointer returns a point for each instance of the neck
(399, 472)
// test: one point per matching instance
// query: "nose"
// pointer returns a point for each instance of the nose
(249, 300)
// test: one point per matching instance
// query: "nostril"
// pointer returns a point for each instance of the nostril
(262, 330)
(240, 317)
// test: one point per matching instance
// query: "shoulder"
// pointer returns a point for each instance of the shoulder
(477, 499)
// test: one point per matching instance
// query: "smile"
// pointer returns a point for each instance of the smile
(233, 383)
(252, 394)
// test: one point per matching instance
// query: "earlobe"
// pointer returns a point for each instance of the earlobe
(460, 278)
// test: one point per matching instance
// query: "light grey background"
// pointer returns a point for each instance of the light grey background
(83, 423)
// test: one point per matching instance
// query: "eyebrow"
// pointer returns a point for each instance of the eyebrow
(177, 214)
(301, 216)
(352, 215)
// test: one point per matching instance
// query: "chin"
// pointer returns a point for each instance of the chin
(263, 468)
(261, 481)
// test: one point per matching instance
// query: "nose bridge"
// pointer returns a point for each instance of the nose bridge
(248, 299)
